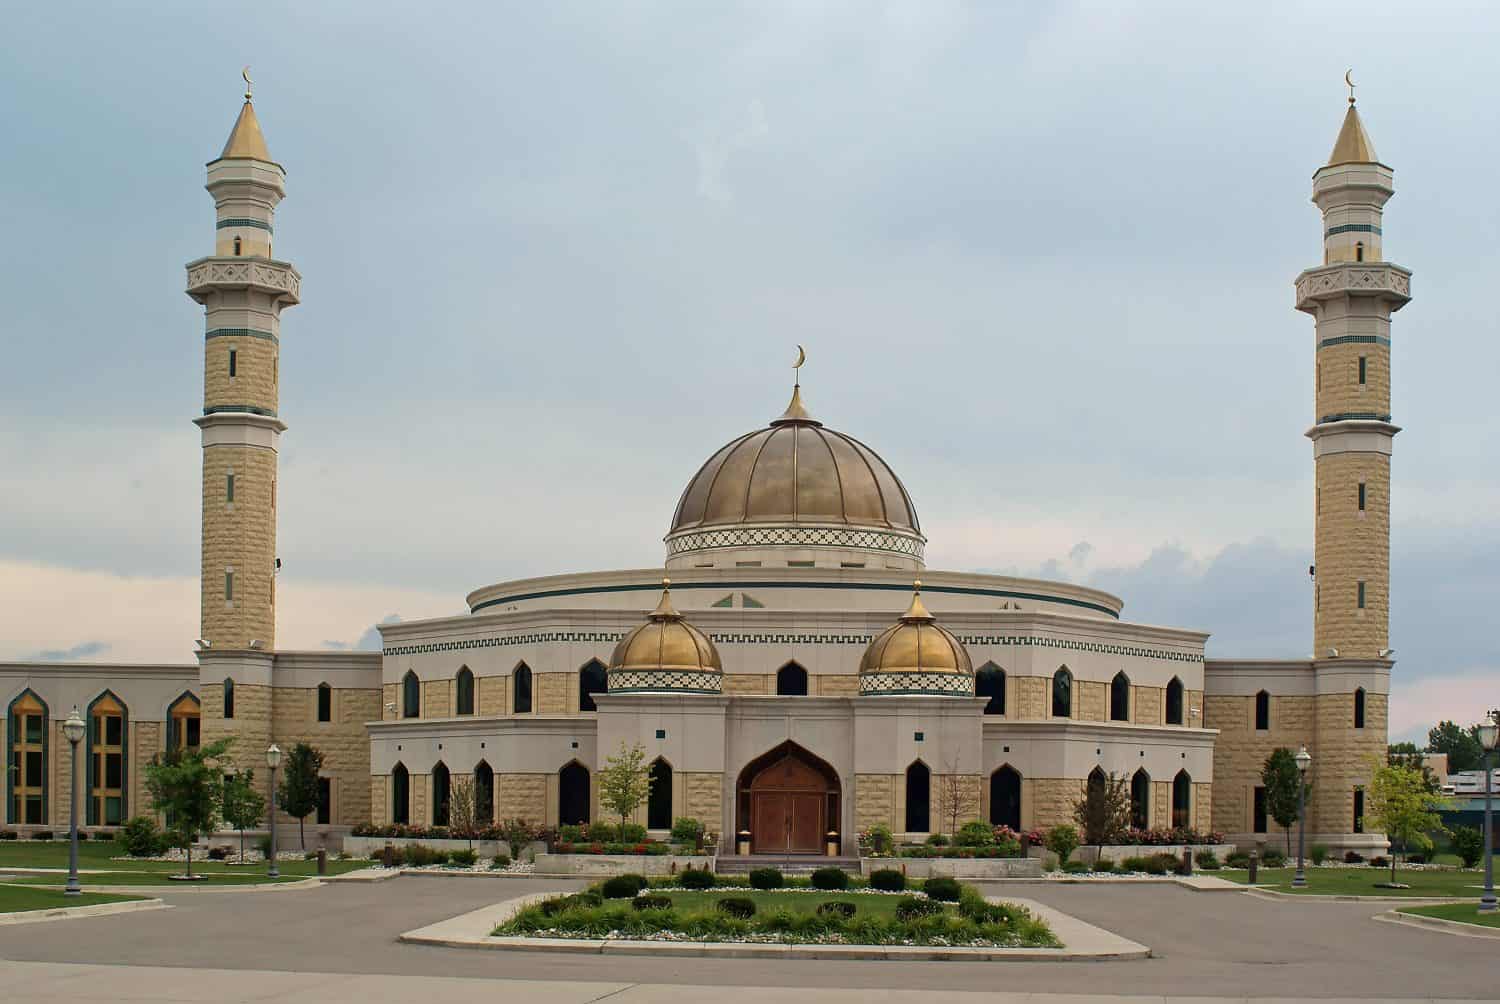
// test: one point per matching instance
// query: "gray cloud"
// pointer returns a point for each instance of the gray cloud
(370, 640)
(83, 650)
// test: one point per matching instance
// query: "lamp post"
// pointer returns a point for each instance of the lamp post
(73, 728)
(273, 760)
(1489, 738)
(1304, 760)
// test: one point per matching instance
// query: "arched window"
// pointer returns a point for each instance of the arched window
(411, 696)
(463, 692)
(791, 681)
(1140, 800)
(1262, 710)
(1359, 250)
(237, 246)
(108, 727)
(228, 698)
(1119, 698)
(1182, 800)
(1174, 702)
(990, 682)
(591, 680)
(184, 720)
(659, 797)
(1359, 708)
(27, 736)
(918, 800)
(400, 795)
(441, 791)
(1097, 781)
(1062, 693)
(325, 703)
(573, 795)
(1005, 798)
(520, 685)
(484, 794)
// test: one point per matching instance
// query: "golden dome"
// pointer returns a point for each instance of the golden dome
(245, 139)
(1353, 145)
(665, 653)
(796, 471)
(916, 656)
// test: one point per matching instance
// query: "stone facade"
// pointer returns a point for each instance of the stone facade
(1353, 546)
(521, 796)
(840, 685)
(703, 798)
(344, 743)
(437, 699)
(875, 801)
(753, 683)
(1343, 758)
(1046, 802)
(1033, 697)
(250, 728)
(555, 693)
(239, 538)
(1149, 705)
(1090, 701)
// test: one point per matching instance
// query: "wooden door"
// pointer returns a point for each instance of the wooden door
(769, 833)
(805, 828)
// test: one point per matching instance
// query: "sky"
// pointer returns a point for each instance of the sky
(554, 255)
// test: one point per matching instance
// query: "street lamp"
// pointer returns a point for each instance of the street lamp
(273, 760)
(1304, 760)
(1489, 738)
(73, 728)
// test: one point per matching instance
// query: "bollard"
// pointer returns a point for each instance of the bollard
(385, 855)
(1254, 863)
(1187, 861)
(322, 861)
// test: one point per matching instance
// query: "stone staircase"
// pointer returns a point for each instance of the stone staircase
(789, 864)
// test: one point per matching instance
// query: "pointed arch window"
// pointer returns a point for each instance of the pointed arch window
(27, 742)
(1119, 698)
(659, 796)
(1359, 708)
(463, 692)
(1005, 798)
(411, 695)
(238, 246)
(228, 698)
(591, 680)
(400, 795)
(1262, 711)
(520, 685)
(484, 793)
(990, 682)
(1062, 693)
(573, 794)
(442, 787)
(918, 798)
(106, 764)
(184, 720)
(1140, 800)
(325, 703)
(791, 681)
(1182, 800)
(1174, 701)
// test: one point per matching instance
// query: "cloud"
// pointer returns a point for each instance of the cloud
(79, 652)
(713, 151)
(370, 641)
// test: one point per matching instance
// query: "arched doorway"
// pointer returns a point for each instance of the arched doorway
(788, 800)
(918, 798)
(573, 795)
(1005, 798)
(659, 796)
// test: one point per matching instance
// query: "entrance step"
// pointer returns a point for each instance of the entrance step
(789, 864)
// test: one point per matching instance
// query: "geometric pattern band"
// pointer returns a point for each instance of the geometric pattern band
(676, 680)
(796, 536)
(959, 684)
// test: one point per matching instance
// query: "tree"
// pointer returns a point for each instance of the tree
(1403, 808)
(957, 796)
(298, 792)
(1468, 844)
(1281, 778)
(462, 808)
(625, 781)
(1104, 810)
(186, 785)
(243, 806)
(1461, 745)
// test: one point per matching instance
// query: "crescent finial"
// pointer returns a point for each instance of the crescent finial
(1349, 79)
(246, 74)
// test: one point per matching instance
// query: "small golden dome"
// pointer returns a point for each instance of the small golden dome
(666, 653)
(1353, 145)
(245, 139)
(916, 656)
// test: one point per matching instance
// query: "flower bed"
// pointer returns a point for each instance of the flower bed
(780, 916)
(959, 867)
(601, 863)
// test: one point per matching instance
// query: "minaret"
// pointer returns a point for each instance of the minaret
(1352, 296)
(242, 289)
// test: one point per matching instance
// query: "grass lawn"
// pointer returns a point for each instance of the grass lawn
(1361, 881)
(14, 899)
(248, 876)
(1464, 913)
(866, 904)
(100, 854)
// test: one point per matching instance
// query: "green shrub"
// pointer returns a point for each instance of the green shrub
(140, 837)
(263, 844)
(686, 830)
(1134, 863)
(1166, 863)
(914, 907)
(1273, 859)
(937, 840)
(766, 878)
(1104, 864)
(1379, 861)
(569, 834)
(463, 858)
(1207, 860)
(696, 878)
(1468, 844)
(1074, 867)
(1318, 853)
(1062, 840)
(737, 906)
(622, 886)
(603, 833)
(652, 902)
(586, 900)
(836, 907)
(420, 856)
(632, 833)
(500, 861)
(9, 835)
(830, 878)
(975, 833)
(1237, 859)
(943, 888)
(887, 880)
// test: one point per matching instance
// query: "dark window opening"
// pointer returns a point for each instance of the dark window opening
(1182, 800)
(1005, 798)
(237, 247)
(918, 785)
(1062, 694)
(990, 682)
(400, 795)
(1360, 598)
(325, 703)
(1174, 702)
(1359, 810)
(1140, 800)
(484, 794)
(591, 680)
(441, 794)
(520, 682)
(791, 681)
(325, 800)
(1262, 711)
(1119, 698)
(1359, 253)
(573, 794)
(659, 798)
(234, 359)
(411, 696)
(1359, 708)
(1363, 368)
(464, 692)
(228, 698)
(1258, 825)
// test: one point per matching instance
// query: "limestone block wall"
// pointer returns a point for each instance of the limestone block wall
(521, 796)
(1352, 547)
(1033, 697)
(255, 372)
(437, 699)
(836, 685)
(1149, 705)
(60, 768)
(380, 804)
(875, 801)
(1342, 758)
(1090, 700)
(1048, 801)
(250, 728)
(147, 740)
(390, 702)
(746, 683)
(555, 693)
(239, 536)
(703, 798)
(1336, 378)
(1160, 811)
(1241, 750)
(949, 791)
(493, 695)
(420, 789)
(1202, 813)
(343, 741)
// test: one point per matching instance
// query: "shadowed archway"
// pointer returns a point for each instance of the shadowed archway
(788, 799)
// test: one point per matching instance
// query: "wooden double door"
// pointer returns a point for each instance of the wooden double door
(789, 806)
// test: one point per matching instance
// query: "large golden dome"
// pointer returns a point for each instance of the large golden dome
(796, 483)
(666, 653)
(916, 656)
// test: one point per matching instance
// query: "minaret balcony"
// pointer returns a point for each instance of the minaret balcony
(1389, 282)
(264, 275)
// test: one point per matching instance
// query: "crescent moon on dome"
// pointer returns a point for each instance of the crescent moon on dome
(801, 358)
(248, 82)
(1347, 74)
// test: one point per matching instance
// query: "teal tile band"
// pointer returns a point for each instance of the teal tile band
(243, 221)
(1352, 228)
(239, 333)
(1354, 416)
(240, 409)
(1354, 340)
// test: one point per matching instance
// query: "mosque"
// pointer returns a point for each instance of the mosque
(794, 671)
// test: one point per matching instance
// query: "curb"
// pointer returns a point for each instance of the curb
(1438, 924)
(72, 912)
(1325, 898)
(189, 887)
